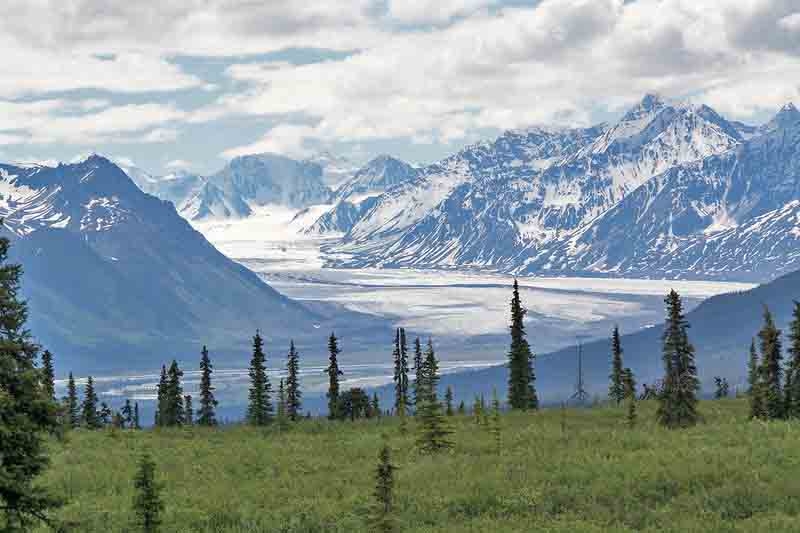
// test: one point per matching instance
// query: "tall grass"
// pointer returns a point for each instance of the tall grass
(583, 470)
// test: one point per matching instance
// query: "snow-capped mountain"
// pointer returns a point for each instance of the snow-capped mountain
(358, 194)
(491, 203)
(115, 278)
(336, 169)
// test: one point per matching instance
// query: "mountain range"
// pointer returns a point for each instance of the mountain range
(668, 191)
(117, 280)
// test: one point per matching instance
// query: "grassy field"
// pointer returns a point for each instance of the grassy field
(576, 470)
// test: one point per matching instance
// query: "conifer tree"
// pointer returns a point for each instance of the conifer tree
(188, 410)
(259, 409)
(294, 403)
(462, 409)
(282, 417)
(104, 414)
(206, 415)
(89, 414)
(27, 411)
(755, 390)
(147, 503)
(495, 427)
(521, 381)
(136, 423)
(628, 383)
(383, 516)
(333, 377)
(793, 372)
(477, 410)
(174, 411)
(400, 355)
(434, 432)
(631, 416)
(48, 375)
(616, 390)
(376, 405)
(721, 388)
(448, 402)
(771, 371)
(127, 414)
(73, 409)
(678, 399)
(418, 377)
(161, 403)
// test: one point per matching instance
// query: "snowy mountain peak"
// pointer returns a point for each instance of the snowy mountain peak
(787, 117)
(650, 104)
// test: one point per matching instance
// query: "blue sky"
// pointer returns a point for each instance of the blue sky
(192, 85)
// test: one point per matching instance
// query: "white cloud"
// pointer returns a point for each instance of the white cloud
(178, 164)
(288, 139)
(434, 11)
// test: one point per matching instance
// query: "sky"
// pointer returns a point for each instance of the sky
(189, 85)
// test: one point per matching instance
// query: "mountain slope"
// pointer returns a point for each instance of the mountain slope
(117, 280)
(721, 330)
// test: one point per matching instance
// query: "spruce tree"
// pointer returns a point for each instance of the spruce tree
(631, 416)
(771, 371)
(333, 377)
(678, 399)
(136, 422)
(376, 405)
(294, 404)
(477, 410)
(104, 414)
(27, 411)
(628, 383)
(48, 375)
(161, 403)
(174, 411)
(793, 372)
(434, 432)
(462, 409)
(89, 414)
(147, 503)
(521, 381)
(383, 516)
(616, 390)
(721, 388)
(400, 355)
(259, 409)
(73, 409)
(495, 427)
(448, 402)
(282, 417)
(754, 388)
(127, 414)
(188, 410)
(206, 415)
(418, 360)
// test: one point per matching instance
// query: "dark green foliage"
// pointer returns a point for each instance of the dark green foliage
(127, 414)
(104, 414)
(616, 390)
(73, 408)
(522, 380)
(89, 413)
(434, 433)
(628, 383)
(771, 370)
(793, 372)
(400, 356)
(495, 427)
(171, 409)
(678, 399)
(383, 519)
(259, 408)
(462, 409)
(354, 403)
(188, 410)
(206, 415)
(721, 388)
(754, 388)
(48, 375)
(333, 377)
(376, 406)
(27, 408)
(294, 396)
(631, 415)
(477, 410)
(448, 402)
(282, 417)
(161, 389)
(136, 422)
(147, 503)
(418, 360)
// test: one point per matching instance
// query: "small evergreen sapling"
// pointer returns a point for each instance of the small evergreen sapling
(89, 414)
(448, 402)
(147, 503)
(383, 519)
(616, 390)
(259, 408)
(73, 408)
(206, 415)
(293, 395)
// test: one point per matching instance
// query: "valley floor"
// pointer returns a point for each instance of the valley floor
(557, 471)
